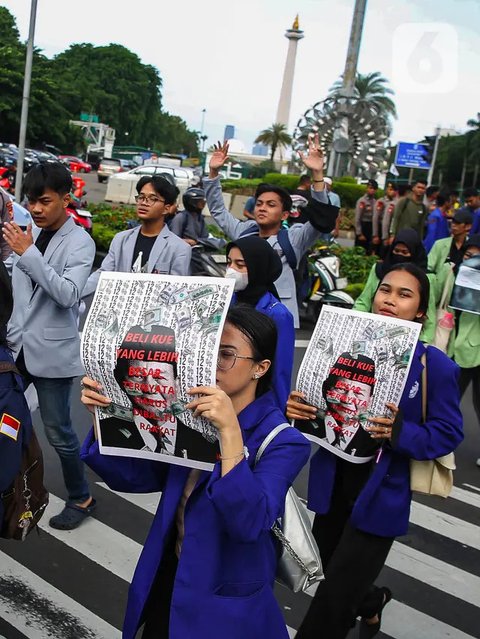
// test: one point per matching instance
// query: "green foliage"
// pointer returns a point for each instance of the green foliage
(346, 178)
(241, 187)
(102, 236)
(347, 220)
(275, 137)
(286, 180)
(354, 290)
(371, 91)
(115, 217)
(355, 265)
(349, 193)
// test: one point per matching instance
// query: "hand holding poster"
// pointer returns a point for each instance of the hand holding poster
(355, 364)
(148, 339)
(466, 292)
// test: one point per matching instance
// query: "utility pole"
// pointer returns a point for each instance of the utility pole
(341, 142)
(434, 157)
(25, 102)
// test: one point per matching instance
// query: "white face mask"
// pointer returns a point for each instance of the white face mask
(241, 279)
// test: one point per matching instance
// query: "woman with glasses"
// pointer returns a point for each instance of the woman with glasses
(208, 565)
(255, 265)
(406, 247)
(150, 247)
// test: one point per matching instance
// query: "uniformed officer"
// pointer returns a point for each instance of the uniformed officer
(364, 216)
(382, 217)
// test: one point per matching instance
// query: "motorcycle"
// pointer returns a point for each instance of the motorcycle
(7, 179)
(206, 258)
(75, 209)
(326, 284)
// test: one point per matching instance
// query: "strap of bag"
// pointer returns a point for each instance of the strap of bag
(271, 435)
(287, 248)
(8, 367)
(446, 289)
(423, 360)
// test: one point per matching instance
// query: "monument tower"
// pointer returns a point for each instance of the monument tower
(293, 35)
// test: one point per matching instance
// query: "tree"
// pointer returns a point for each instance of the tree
(370, 90)
(274, 137)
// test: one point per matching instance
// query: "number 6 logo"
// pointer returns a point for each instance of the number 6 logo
(425, 58)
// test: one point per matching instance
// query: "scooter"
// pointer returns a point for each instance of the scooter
(326, 284)
(206, 258)
(81, 217)
(7, 179)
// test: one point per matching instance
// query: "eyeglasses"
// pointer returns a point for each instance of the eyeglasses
(226, 359)
(148, 199)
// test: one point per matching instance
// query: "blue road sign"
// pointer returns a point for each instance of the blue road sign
(411, 155)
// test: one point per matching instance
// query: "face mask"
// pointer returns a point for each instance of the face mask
(400, 259)
(241, 279)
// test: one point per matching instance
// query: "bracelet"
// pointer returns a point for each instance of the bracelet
(239, 456)
(315, 181)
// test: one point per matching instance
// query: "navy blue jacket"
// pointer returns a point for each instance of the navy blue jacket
(383, 506)
(13, 405)
(224, 581)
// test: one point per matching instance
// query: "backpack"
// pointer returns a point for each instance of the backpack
(283, 240)
(25, 500)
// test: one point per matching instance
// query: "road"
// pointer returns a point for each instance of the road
(73, 585)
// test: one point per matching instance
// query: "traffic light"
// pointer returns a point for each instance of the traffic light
(429, 144)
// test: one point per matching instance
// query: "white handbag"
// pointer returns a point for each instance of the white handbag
(445, 320)
(299, 565)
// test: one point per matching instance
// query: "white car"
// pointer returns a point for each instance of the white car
(121, 187)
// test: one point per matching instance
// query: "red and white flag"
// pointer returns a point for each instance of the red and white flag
(9, 426)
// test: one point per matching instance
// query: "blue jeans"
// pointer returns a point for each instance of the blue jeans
(54, 395)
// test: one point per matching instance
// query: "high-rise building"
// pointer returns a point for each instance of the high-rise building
(260, 149)
(229, 132)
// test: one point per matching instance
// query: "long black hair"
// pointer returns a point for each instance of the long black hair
(423, 284)
(261, 332)
(6, 302)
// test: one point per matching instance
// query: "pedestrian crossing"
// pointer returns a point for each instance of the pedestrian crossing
(73, 584)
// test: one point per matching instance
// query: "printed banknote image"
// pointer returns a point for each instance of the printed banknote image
(147, 340)
(355, 364)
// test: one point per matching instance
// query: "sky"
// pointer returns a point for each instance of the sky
(228, 57)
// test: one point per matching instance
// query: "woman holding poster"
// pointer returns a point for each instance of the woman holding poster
(361, 507)
(208, 565)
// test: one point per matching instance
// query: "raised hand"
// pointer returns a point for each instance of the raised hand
(314, 159)
(219, 157)
(16, 239)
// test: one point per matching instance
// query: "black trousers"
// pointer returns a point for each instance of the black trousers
(472, 375)
(156, 614)
(352, 560)
(367, 231)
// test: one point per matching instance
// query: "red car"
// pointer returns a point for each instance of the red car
(76, 165)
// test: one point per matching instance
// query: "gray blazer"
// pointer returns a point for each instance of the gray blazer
(46, 291)
(301, 237)
(169, 255)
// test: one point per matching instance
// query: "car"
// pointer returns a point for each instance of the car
(75, 164)
(108, 167)
(121, 187)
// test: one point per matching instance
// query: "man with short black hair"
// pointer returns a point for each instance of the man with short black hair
(451, 249)
(472, 205)
(410, 211)
(272, 207)
(150, 247)
(50, 268)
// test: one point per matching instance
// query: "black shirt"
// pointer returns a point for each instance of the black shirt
(43, 240)
(456, 254)
(145, 245)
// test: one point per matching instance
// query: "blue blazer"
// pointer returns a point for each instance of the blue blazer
(383, 506)
(283, 363)
(224, 581)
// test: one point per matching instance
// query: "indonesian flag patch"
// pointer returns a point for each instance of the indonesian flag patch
(9, 426)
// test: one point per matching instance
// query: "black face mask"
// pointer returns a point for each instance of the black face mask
(399, 259)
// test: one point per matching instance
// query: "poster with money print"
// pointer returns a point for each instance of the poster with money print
(149, 338)
(355, 364)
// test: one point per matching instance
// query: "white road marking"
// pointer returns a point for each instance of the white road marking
(147, 501)
(466, 496)
(452, 527)
(40, 611)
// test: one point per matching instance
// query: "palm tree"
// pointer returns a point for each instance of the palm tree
(370, 90)
(274, 137)
(473, 145)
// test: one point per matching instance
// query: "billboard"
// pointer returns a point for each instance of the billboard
(411, 155)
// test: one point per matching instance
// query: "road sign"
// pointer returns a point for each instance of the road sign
(411, 155)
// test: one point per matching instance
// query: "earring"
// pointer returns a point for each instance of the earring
(256, 376)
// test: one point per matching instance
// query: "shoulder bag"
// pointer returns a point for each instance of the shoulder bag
(299, 565)
(431, 476)
(445, 320)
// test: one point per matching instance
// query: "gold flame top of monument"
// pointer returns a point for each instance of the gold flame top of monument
(296, 24)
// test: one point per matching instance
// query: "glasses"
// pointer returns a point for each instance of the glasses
(148, 199)
(226, 359)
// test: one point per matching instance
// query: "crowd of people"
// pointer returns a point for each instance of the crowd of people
(209, 561)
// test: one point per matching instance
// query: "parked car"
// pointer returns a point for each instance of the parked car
(121, 187)
(108, 167)
(76, 165)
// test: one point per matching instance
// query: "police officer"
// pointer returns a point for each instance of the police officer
(382, 217)
(364, 211)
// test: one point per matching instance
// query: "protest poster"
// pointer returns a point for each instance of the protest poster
(355, 364)
(148, 338)
(466, 291)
